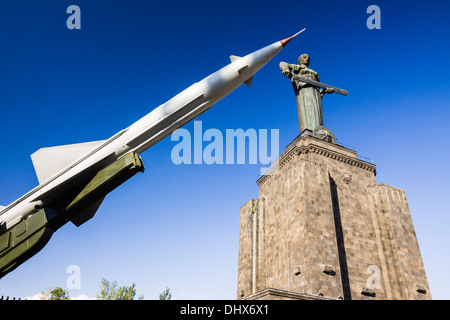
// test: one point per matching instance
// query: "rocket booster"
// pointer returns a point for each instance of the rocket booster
(74, 179)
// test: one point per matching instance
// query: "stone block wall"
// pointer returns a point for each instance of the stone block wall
(323, 228)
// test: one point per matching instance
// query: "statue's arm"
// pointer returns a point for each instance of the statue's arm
(286, 69)
(326, 90)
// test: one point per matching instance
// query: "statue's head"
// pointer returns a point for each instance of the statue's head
(304, 59)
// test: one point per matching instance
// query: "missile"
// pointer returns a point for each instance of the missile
(74, 179)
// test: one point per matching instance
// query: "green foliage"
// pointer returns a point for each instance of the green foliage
(110, 291)
(165, 295)
(55, 294)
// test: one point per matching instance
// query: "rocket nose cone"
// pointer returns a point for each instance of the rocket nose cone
(286, 41)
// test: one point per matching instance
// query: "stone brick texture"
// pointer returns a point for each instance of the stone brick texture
(323, 228)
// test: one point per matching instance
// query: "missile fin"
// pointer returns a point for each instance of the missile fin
(249, 82)
(87, 213)
(234, 58)
(49, 161)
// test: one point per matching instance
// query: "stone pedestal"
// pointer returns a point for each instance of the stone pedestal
(322, 228)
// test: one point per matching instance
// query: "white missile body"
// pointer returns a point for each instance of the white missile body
(58, 167)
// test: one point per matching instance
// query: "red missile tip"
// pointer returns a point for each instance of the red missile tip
(286, 41)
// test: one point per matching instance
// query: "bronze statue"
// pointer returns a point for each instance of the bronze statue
(309, 92)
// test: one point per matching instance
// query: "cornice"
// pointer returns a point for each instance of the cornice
(294, 152)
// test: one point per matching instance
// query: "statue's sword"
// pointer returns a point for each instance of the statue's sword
(319, 84)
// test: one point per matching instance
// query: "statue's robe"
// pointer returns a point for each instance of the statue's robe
(309, 98)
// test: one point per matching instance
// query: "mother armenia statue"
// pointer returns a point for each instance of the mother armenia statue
(309, 97)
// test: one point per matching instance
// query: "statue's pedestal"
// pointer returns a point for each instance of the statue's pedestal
(322, 228)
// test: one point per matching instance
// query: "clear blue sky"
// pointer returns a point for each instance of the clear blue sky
(178, 226)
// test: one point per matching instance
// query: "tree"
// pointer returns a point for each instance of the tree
(165, 295)
(55, 294)
(110, 291)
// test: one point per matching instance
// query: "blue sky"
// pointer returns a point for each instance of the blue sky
(177, 226)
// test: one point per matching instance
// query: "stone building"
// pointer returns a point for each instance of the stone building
(322, 228)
